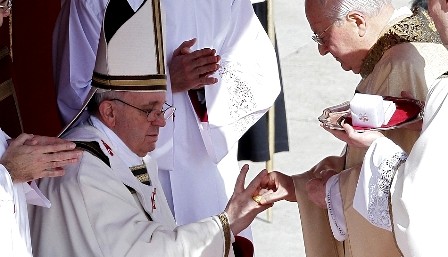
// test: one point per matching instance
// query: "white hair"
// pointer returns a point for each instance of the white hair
(99, 97)
(338, 9)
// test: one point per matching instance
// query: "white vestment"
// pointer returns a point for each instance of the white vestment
(197, 160)
(418, 208)
(201, 157)
(14, 228)
(94, 212)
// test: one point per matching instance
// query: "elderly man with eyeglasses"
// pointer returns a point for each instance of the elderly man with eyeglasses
(393, 51)
(222, 77)
(112, 202)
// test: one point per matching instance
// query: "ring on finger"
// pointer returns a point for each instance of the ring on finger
(257, 198)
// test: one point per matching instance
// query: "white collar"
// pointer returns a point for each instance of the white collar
(3, 141)
(401, 12)
(129, 157)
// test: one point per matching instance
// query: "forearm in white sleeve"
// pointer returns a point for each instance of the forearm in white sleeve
(380, 164)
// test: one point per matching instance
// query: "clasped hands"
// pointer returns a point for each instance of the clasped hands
(277, 186)
(268, 188)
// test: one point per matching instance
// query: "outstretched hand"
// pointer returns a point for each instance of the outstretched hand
(277, 186)
(192, 70)
(241, 208)
(31, 157)
(353, 138)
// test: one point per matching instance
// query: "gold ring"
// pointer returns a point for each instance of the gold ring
(257, 198)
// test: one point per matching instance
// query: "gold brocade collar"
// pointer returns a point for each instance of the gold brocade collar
(418, 27)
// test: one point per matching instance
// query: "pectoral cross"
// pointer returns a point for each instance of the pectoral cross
(153, 200)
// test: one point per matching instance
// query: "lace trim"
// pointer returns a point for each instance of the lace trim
(241, 96)
(378, 211)
(242, 104)
(332, 214)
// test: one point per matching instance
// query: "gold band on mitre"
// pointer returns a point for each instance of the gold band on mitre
(155, 82)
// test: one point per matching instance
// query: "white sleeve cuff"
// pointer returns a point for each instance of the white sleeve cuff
(382, 160)
(335, 208)
(34, 196)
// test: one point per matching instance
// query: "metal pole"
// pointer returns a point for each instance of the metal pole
(271, 112)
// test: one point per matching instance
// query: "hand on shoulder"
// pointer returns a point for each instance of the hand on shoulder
(30, 157)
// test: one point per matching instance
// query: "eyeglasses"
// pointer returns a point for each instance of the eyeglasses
(319, 38)
(6, 5)
(151, 114)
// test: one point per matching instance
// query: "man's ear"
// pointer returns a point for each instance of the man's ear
(444, 5)
(107, 113)
(359, 20)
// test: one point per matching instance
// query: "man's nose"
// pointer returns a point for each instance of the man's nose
(159, 121)
(323, 50)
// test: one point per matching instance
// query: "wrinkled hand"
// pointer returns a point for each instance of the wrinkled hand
(31, 157)
(316, 188)
(354, 138)
(241, 208)
(277, 186)
(192, 70)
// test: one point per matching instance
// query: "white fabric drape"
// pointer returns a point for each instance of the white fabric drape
(14, 227)
(418, 203)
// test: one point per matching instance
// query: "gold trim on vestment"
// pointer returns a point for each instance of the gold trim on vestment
(138, 167)
(6, 89)
(10, 39)
(416, 28)
(141, 174)
(4, 51)
(143, 178)
(226, 228)
(158, 32)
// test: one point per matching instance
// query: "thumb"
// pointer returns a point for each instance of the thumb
(349, 129)
(20, 140)
(327, 174)
(407, 94)
(184, 48)
(271, 197)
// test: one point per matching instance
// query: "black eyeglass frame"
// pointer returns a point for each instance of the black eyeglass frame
(6, 5)
(319, 38)
(167, 112)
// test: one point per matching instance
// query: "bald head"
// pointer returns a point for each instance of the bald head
(347, 28)
(338, 9)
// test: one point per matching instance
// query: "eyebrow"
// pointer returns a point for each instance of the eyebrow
(151, 104)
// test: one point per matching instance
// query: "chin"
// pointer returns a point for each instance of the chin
(345, 68)
(151, 148)
(144, 150)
